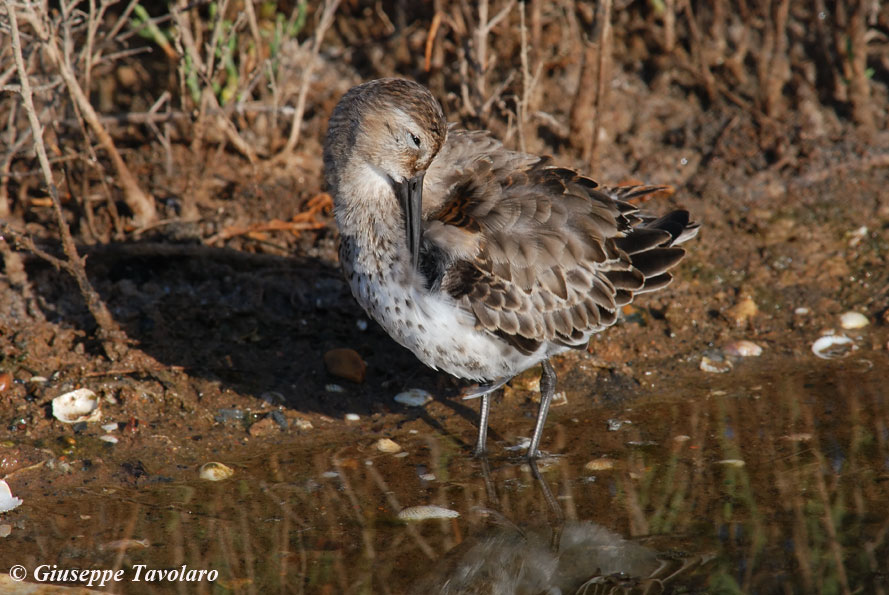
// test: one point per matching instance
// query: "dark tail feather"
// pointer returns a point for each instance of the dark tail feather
(677, 224)
(652, 250)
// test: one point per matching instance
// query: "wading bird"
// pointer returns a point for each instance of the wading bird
(482, 261)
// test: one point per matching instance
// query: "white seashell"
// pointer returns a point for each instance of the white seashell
(110, 427)
(422, 513)
(215, 471)
(524, 444)
(76, 406)
(602, 464)
(742, 348)
(732, 462)
(715, 367)
(386, 445)
(413, 397)
(7, 500)
(853, 320)
(833, 346)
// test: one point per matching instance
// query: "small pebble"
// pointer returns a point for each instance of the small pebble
(742, 348)
(303, 425)
(279, 419)
(352, 417)
(422, 513)
(5, 381)
(413, 397)
(599, 465)
(428, 476)
(330, 474)
(681, 438)
(361, 324)
(263, 427)
(715, 366)
(801, 311)
(798, 437)
(334, 388)
(346, 363)
(108, 438)
(742, 312)
(853, 320)
(616, 424)
(215, 471)
(5, 530)
(386, 445)
(527, 380)
(856, 235)
(230, 414)
(833, 346)
(109, 427)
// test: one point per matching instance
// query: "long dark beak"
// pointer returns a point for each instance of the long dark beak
(410, 193)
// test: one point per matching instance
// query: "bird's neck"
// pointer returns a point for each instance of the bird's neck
(371, 220)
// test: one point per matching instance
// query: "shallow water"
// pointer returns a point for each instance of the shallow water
(769, 479)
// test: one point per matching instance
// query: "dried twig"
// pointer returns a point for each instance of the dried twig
(327, 14)
(109, 333)
(603, 78)
(430, 40)
(140, 203)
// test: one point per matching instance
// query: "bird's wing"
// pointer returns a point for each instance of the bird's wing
(537, 253)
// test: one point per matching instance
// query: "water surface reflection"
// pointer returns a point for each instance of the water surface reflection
(771, 482)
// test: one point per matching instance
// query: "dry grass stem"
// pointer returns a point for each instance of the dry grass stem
(141, 203)
(430, 40)
(603, 80)
(327, 13)
(112, 337)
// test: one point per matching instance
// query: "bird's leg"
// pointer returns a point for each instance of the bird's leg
(484, 410)
(484, 391)
(547, 389)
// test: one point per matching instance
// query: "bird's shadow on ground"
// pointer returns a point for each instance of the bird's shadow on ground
(255, 325)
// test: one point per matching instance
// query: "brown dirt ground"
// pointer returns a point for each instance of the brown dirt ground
(243, 322)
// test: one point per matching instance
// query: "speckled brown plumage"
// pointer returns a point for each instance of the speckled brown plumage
(517, 259)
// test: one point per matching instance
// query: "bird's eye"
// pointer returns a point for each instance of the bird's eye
(415, 139)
